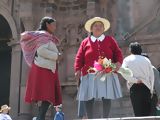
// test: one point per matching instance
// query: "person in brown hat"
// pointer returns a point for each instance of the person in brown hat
(91, 88)
(4, 112)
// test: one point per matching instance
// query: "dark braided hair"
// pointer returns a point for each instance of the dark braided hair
(43, 22)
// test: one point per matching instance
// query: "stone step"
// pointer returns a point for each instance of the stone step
(127, 118)
(25, 117)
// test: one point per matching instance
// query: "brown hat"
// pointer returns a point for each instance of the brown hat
(4, 107)
(89, 23)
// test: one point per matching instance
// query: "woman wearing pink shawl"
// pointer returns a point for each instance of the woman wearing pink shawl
(41, 54)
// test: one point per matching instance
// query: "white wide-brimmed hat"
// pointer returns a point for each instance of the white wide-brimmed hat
(89, 23)
(4, 107)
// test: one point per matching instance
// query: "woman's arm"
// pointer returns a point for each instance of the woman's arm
(79, 59)
(117, 53)
(47, 53)
(131, 79)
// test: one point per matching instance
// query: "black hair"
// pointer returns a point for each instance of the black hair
(43, 22)
(145, 55)
(135, 48)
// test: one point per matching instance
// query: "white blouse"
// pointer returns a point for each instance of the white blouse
(142, 70)
(47, 56)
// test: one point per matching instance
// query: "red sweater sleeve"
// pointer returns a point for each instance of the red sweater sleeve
(79, 60)
(118, 57)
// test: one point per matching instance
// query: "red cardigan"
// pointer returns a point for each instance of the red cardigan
(90, 51)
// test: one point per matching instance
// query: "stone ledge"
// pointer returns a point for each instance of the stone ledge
(127, 118)
(29, 117)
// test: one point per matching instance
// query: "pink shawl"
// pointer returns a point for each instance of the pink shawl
(32, 40)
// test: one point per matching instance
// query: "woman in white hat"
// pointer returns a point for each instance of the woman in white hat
(91, 49)
(4, 112)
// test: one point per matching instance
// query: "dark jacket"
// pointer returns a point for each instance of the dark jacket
(157, 81)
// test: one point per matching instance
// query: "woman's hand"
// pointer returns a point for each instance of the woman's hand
(59, 57)
(118, 65)
(77, 76)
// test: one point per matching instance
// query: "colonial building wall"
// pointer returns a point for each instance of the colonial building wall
(6, 11)
(145, 23)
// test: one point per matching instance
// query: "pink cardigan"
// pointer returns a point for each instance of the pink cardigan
(90, 51)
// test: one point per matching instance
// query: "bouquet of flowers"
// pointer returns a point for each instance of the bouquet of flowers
(104, 66)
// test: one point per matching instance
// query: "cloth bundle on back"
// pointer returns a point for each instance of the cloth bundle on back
(32, 40)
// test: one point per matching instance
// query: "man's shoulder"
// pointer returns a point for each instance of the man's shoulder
(128, 57)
